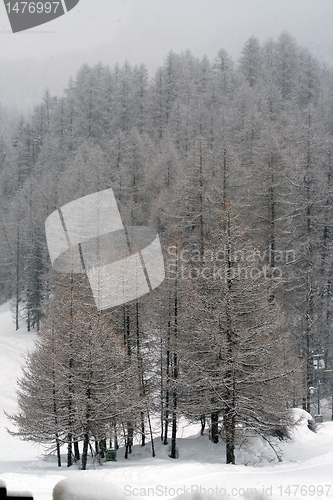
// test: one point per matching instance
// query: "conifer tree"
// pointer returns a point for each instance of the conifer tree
(238, 358)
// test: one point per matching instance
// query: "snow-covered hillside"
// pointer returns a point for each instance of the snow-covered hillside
(306, 470)
(13, 347)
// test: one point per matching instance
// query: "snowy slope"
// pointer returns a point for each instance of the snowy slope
(13, 346)
(307, 465)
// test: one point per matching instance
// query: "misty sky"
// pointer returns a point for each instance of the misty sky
(113, 31)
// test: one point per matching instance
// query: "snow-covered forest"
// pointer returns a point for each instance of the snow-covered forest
(231, 163)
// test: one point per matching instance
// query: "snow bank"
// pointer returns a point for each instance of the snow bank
(15, 494)
(302, 423)
(93, 489)
(300, 416)
(14, 346)
(86, 489)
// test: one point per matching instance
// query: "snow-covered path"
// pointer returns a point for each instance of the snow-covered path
(306, 471)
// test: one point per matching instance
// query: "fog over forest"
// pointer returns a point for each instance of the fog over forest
(144, 31)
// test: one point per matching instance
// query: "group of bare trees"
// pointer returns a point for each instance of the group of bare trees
(199, 142)
(78, 380)
(211, 344)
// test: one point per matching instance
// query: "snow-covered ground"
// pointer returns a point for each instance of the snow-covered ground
(306, 470)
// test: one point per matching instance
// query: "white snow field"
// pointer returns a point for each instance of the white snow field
(306, 470)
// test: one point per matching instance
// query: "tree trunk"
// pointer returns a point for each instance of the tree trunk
(309, 284)
(28, 321)
(85, 451)
(76, 451)
(162, 392)
(126, 443)
(167, 395)
(203, 424)
(201, 202)
(174, 430)
(215, 427)
(69, 450)
(58, 450)
(229, 426)
(140, 369)
(151, 435)
(229, 416)
(102, 447)
(224, 178)
(130, 437)
(128, 440)
(166, 425)
(272, 225)
(175, 377)
(143, 436)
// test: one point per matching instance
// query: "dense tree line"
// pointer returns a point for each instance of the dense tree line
(200, 140)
